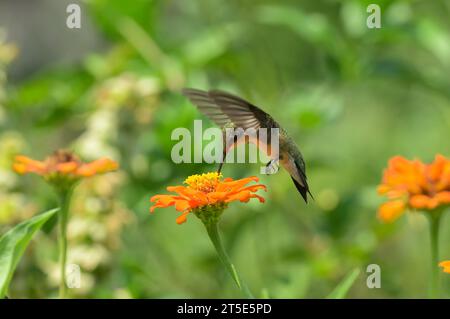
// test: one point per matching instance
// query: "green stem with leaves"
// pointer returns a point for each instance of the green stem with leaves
(63, 216)
(213, 233)
(434, 218)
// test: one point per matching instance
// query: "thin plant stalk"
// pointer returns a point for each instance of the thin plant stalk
(213, 233)
(62, 239)
(435, 218)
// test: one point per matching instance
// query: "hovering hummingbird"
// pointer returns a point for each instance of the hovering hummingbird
(226, 109)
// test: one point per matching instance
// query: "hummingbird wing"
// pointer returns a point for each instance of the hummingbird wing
(224, 108)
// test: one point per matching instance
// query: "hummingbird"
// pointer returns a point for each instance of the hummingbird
(225, 109)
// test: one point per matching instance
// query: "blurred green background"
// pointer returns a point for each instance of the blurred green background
(350, 96)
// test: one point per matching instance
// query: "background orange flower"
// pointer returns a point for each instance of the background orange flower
(63, 165)
(413, 184)
(207, 190)
(445, 265)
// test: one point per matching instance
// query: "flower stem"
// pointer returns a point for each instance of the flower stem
(213, 233)
(434, 240)
(62, 239)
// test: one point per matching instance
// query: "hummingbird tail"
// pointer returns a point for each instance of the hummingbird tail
(302, 187)
(304, 191)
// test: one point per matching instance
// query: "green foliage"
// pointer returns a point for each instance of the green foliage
(13, 245)
(344, 286)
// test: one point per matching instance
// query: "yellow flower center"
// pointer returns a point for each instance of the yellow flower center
(205, 182)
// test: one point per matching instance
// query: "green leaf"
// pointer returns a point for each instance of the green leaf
(13, 244)
(344, 286)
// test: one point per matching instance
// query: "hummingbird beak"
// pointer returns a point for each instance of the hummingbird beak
(220, 167)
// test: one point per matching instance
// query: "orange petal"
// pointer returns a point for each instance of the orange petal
(243, 196)
(182, 205)
(182, 218)
(164, 198)
(443, 197)
(254, 188)
(399, 163)
(260, 198)
(20, 168)
(99, 166)
(66, 168)
(26, 160)
(403, 174)
(189, 193)
(158, 205)
(183, 191)
(162, 201)
(234, 185)
(390, 211)
(420, 201)
(445, 265)
(24, 165)
(217, 196)
(436, 168)
(444, 182)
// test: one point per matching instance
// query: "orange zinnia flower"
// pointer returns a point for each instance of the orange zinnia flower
(63, 168)
(445, 265)
(207, 195)
(415, 185)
